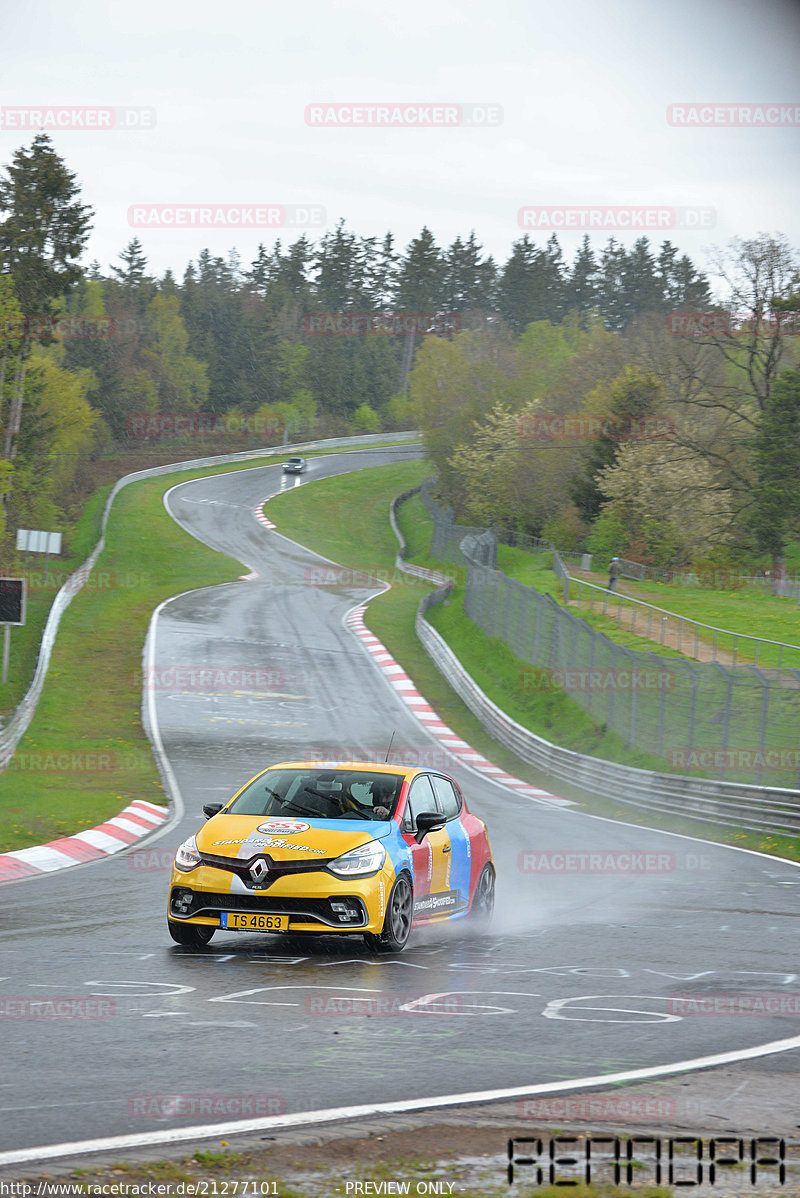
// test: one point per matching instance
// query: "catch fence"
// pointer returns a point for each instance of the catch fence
(737, 722)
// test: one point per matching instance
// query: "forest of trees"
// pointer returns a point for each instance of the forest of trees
(309, 338)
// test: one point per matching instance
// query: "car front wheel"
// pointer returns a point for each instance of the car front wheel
(397, 924)
(191, 935)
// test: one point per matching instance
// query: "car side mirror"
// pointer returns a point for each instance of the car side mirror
(210, 809)
(428, 821)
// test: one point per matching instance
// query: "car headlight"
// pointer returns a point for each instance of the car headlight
(187, 856)
(367, 859)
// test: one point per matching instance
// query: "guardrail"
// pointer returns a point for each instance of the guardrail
(17, 725)
(728, 804)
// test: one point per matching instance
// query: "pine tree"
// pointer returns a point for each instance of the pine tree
(580, 288)
(43, 230)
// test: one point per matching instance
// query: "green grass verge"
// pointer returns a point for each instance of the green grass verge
(746, 612)
(329, 517)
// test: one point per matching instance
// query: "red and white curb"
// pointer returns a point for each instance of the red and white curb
(265, 522)
(111, 837)
(261, 515)
(460, 750)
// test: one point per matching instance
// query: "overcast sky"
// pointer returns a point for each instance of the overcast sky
(575, 94)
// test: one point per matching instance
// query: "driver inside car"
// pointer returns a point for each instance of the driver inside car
(382, 795)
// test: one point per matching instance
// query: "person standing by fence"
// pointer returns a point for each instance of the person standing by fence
(613, 573)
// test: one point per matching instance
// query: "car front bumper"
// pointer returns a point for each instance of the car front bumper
(314, 902)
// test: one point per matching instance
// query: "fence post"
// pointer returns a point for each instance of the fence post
(634, 698)
(522, 595)
(592, 643)
(726, 715)
(692, 703)
(662, 699)
(538, 630)
(762, 726)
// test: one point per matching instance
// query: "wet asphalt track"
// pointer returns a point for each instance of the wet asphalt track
(577, 978)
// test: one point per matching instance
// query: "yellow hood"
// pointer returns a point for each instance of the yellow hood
(243, 836)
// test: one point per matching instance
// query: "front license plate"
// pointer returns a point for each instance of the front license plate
(247, 922)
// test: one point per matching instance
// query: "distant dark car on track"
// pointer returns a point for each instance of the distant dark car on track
(330, 848)
(295, 466)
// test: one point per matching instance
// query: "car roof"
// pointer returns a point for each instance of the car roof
(371, 767)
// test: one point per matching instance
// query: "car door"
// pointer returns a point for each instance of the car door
(450, 803)
(431, 858)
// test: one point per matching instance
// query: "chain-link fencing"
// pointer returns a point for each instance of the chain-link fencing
(736, 722)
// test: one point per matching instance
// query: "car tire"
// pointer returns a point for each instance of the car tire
(191, 935)
(397, 922)
(483, 898)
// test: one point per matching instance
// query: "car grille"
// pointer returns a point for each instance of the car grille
(277, 869)
(302, 910)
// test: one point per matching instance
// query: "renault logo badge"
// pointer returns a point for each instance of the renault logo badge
(259, 870)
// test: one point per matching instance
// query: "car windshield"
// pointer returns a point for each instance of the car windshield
(321, 794)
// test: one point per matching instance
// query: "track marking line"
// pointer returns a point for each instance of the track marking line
(177, 1135)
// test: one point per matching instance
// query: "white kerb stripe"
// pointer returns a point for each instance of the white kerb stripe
(41, 856)
(100, 840)
(127, 825)
(142, 807)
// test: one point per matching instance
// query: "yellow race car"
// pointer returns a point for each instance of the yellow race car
(325, 848)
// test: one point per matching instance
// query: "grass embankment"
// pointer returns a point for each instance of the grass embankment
(536, 570)
(339, 517)
(675, 717)
(745, 611)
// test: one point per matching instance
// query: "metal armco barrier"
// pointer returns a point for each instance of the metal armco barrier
(729, 804)
(15, 729)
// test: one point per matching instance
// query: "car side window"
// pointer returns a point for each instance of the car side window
(420, 798)
(448, 796)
